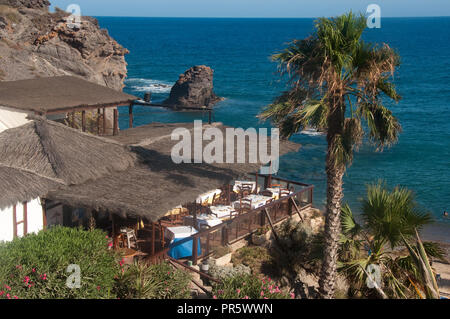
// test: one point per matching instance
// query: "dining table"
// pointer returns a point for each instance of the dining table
(276, 192)
(256, 201)
(223, 211)
(203, 220)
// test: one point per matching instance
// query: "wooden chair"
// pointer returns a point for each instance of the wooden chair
(245, 190)
(128, 235)
(266, 193)
(245, 205)
(284, 192)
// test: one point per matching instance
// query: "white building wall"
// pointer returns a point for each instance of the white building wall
(10, 118)
(35, 220)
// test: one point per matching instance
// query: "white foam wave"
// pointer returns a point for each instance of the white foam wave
(148, 85)
(312, 132)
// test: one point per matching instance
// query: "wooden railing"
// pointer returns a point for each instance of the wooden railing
(245, 224)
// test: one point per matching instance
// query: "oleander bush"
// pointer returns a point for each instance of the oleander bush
(35, 266)
(162, 281)
(246, 286)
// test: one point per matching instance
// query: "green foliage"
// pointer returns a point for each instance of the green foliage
(297, 245)
(330, 72)
(221, 251)
(248, 287)
(162, 281)
(257, 258)
(388, 214)
(35, 266)
(390, 219)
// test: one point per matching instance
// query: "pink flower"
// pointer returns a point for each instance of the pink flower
(1, 293)
(262, 293)
(110, 244)
(26, 279)
(246, 297)
(292, 295)
(33, 270)
(18, 267)
(238, 291)
(8, 296)
(7, 287)
(15, 297)
(214, 297)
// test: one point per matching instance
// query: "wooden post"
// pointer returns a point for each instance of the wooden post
(104, 121)
(14, 221)
(296, 208)
(195, 218)
(266, 182)
(271, 224)
(207, 244)
(256, 180)
(98, 121)
(116, 122)
(25, 218)
(195, 250)
(130, 113)
(83, 121)
(153, 238)
(44, 213)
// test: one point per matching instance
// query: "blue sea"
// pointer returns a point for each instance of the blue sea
(239, 49)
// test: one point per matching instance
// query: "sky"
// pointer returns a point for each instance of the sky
(254, 8)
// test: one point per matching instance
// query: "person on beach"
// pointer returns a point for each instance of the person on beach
(445, 214)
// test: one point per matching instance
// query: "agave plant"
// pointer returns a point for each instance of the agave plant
(390, 220)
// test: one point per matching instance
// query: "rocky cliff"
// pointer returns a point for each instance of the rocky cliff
(37, 43)
(194, 88)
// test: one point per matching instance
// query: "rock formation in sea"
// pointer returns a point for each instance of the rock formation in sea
(194, 88)
(37, 43)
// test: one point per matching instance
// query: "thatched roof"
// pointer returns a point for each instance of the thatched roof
(148, 190)
(22, 186)
(57, 151)
(157, 184)
(59, 94)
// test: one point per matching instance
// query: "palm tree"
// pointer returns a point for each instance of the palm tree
(337, 81)
(390, 220)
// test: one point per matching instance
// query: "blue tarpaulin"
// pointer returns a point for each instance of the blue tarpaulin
(182, 247)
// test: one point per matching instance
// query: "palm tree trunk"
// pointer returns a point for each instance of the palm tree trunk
(332, 232)
(335, 173)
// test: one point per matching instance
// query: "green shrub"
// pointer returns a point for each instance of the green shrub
(298, 245)
(255, 257)
(35, 266)
(249, 287)
(140, 281)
